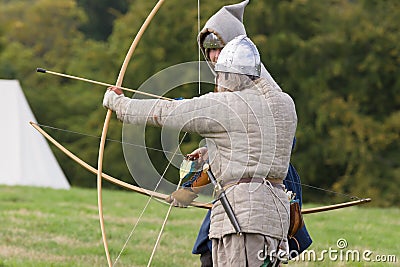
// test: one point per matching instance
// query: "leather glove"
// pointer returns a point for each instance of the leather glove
(182, 197)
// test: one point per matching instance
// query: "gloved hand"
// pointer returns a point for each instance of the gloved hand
(200, 154)
(111, 96)
(182, 197)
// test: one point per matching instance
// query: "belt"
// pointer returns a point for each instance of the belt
(259, 180)
(245, 180)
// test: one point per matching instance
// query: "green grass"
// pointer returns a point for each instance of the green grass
(373, 229)
(45, 227)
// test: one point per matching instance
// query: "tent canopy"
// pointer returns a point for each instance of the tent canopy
(25, 158)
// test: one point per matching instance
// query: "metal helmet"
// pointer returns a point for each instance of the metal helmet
(239, 56)
(211, 41)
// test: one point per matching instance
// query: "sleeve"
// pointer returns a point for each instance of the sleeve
(190, 115)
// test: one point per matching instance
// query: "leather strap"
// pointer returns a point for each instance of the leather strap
(259, 180)
(246, 180)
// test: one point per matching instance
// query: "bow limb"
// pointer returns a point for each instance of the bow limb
(107, 121)
(161, 196)
(336, 206)
(109, 178)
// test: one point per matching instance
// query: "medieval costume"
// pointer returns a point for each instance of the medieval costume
(222, 27)
(249, 126)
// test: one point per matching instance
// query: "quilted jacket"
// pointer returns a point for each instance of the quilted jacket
(249, 133)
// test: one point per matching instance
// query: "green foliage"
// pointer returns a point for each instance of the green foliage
(338, 59)
(339, 62)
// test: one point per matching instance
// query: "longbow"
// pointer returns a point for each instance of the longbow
(162, 196)
(101, 175)
(107, 121)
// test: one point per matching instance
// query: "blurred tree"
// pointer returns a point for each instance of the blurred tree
(101, 14)
(338, 59)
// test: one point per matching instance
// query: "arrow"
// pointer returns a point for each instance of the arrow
(41, 70)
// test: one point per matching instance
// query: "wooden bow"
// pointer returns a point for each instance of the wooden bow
(107, 121)
(161, 196)
(109, 178)
(336, 206)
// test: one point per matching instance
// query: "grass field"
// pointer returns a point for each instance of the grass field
(45, 227)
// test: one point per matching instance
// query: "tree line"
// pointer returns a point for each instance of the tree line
(338, 59)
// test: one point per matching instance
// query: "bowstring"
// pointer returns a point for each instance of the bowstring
(147, 204)
(170, 206)
(108, 139)
(176, 153)
(181, 178)
(199, 48)
(325, 190)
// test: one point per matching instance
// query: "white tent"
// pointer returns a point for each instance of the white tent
(25, 158)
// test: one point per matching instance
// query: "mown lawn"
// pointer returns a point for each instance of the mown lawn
(45, 227)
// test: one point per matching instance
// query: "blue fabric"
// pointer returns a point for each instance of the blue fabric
(293, 183)
(192, 180)
(203, 243)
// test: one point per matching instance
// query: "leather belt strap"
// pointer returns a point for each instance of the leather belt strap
(250, 180)
(274, 181)
(260, 180)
